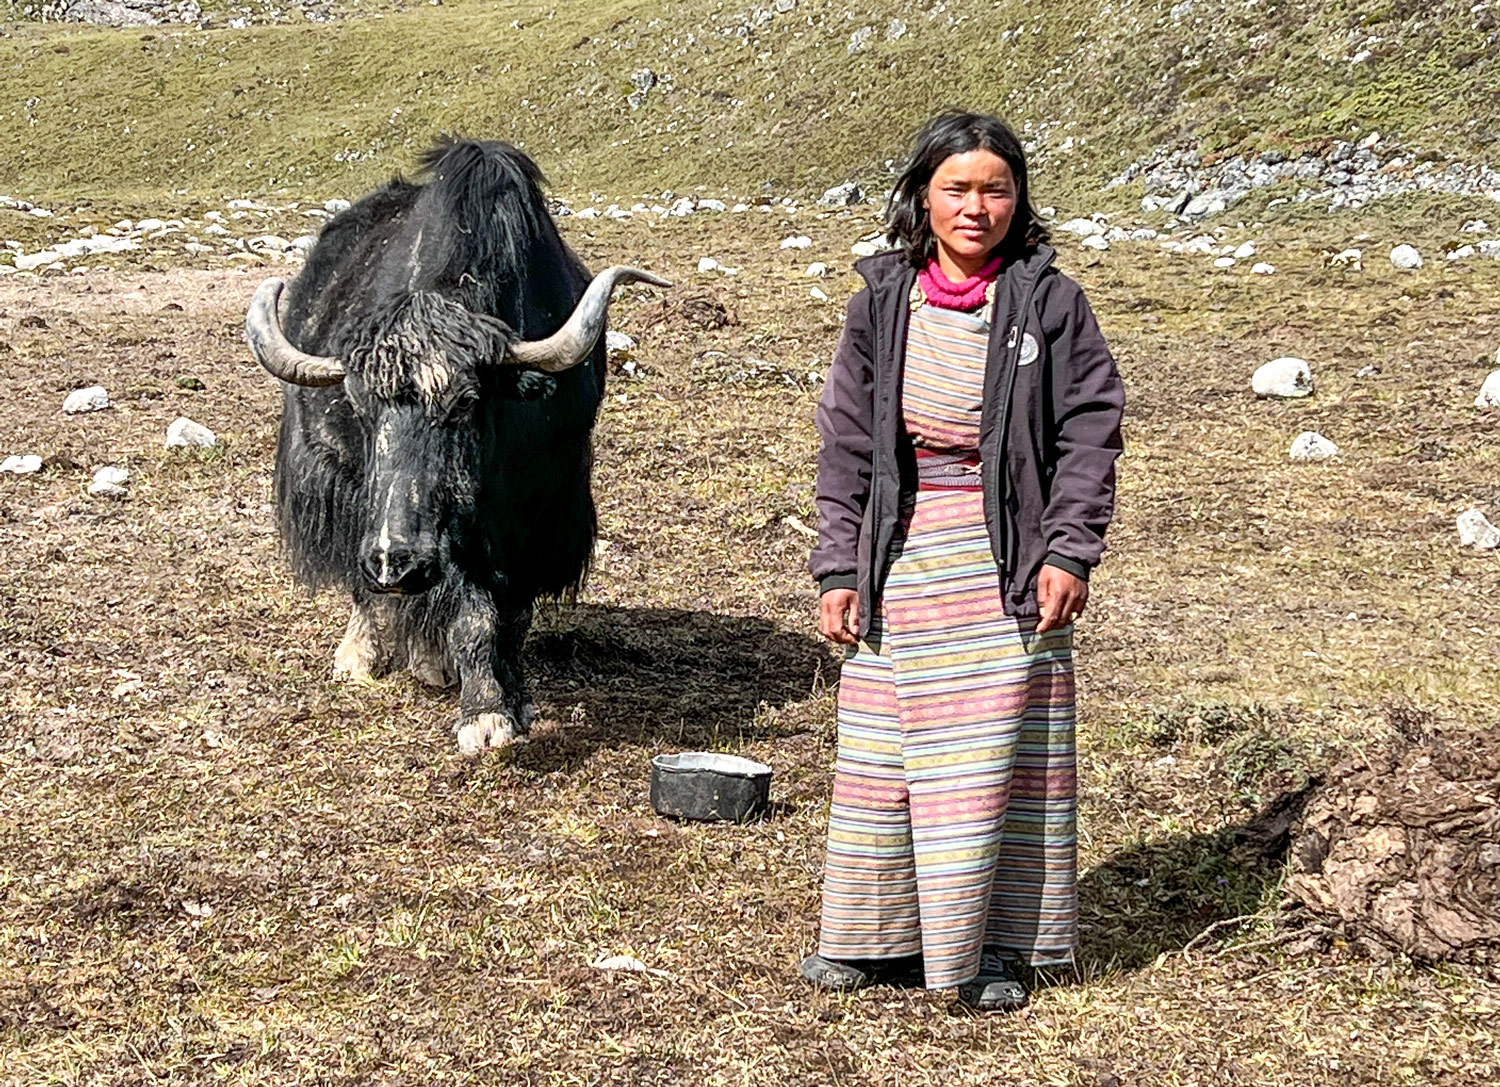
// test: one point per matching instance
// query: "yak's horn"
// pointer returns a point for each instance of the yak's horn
(571, 344)
(273, 350)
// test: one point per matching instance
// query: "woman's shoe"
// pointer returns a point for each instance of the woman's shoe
(998, 988)
(840, 977)
(845, 975)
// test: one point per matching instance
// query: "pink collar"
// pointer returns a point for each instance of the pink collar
(943, 292)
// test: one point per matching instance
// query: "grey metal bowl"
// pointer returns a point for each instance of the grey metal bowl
(708, 786)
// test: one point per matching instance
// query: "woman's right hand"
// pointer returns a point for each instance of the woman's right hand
(838, 616)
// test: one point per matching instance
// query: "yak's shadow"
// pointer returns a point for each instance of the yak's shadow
(663, 677)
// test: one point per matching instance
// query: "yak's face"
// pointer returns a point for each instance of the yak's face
(415, 386)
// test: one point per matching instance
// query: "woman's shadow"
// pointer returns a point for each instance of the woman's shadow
(664, 677)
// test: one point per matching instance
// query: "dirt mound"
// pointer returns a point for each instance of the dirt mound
(1402, 847)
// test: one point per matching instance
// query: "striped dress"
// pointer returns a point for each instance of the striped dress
(953, 823)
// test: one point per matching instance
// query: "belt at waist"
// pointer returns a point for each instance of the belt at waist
(948, 471)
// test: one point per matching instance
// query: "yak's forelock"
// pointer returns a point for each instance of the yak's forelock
(429, 346)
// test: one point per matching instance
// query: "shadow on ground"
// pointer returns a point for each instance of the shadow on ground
(664, 676)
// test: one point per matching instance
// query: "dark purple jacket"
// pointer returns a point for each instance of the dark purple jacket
(1049, 432)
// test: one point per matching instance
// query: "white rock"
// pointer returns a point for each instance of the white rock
(269, 243)
(618, 343)
(1406, 258)
(740, 209)
(816, 270)
(1117, 234)
(110, 482)
(1284, 377)
(145, 226)
(1475, 530)
(1082, 227)
(1143, 234)
(334, 206)
(23, 465)
(685, 205)
(1095, 241)
(711, 205)
(186, 434)
(304, 244)
(1486, 249)
(707, 264)
(1261, 268)
(587, 213)
(842, 196)
(94, 398)
(864, 249)
(796, 241)
(1348, 258)
(1489, 392)
(1463, 252)
(1224, 262)
(1475, 226)
(817, 292)
(26, 262)
(1310, 445)
(1245, 252)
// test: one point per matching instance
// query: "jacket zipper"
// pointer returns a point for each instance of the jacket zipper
(1002, 459)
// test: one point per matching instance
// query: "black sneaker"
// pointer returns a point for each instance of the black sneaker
(847, 975)
(998, 988)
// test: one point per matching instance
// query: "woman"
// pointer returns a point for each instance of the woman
(970, 427)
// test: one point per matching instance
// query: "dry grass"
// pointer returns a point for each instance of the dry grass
(221, 866)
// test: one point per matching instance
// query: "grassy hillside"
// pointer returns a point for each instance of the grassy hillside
(799, 99)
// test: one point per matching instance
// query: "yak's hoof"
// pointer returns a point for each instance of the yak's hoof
(487, 730)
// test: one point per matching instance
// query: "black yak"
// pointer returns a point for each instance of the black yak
(442, 364)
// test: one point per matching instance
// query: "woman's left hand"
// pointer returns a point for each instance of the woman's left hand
(1061, 596)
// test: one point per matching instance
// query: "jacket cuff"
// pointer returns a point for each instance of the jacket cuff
(1071, 566)
(837, 581)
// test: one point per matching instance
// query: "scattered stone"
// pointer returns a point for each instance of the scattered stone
(1490, 249)
(110, 482)
(1261, 268)
(1245, 252)
(711, 205)
(1285, 377)
(1207, 203)
(1489, 392)
(22, 465)
(1348, 258)
(186, 434)
(816, 270)
(1463, 252)
(304, 244)
(864, 249)
(860, 38)
(1475, 226)
(842, 196)
(335, 206)
(1475, 530)
(618, 343)
(1224, 262)
(1310, 445)
(80, 401)
(1143, 234)
(707, 264)
(1095, 241)
(895, 31)
(1082, 227)
(817, 292)
(1367, 371)
(1406, 258)
(796, 241)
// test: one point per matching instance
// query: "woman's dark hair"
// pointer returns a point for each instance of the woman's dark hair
(948, 134)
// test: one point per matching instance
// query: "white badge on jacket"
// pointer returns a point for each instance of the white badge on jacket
(1029, 350)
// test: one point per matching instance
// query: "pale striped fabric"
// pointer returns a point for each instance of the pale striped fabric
(954, 803)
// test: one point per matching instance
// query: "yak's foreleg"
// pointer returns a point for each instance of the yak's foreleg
(486, 644)
(366, 651)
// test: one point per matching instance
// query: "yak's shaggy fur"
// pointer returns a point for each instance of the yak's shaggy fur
(418, 287)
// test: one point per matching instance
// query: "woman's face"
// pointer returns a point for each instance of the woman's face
(970, 202)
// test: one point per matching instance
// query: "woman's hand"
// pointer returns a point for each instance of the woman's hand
(1061, 596)
(838, 616)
